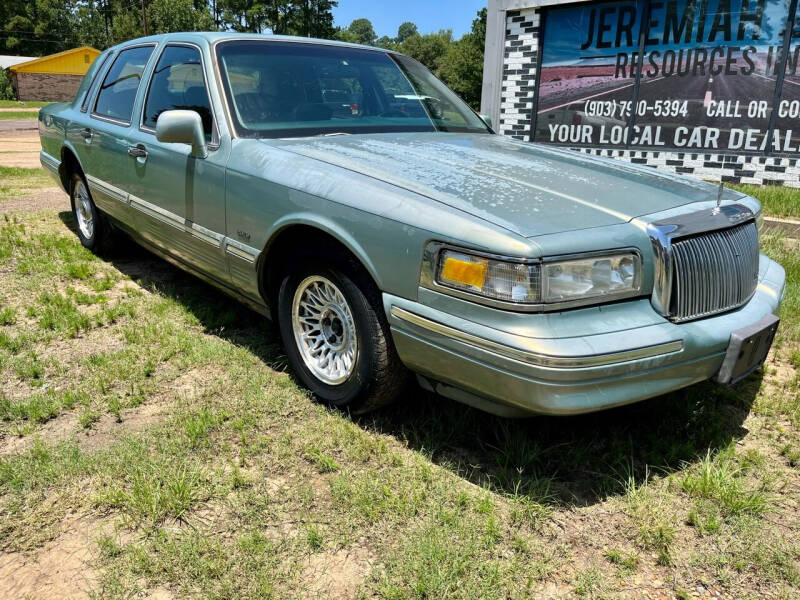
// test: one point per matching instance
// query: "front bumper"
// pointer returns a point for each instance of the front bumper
(564, 363)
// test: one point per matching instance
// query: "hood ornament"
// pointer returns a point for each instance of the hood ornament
(720, 190)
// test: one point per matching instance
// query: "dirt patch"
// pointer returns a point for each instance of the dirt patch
(19, 144)
(27, 160)
(26, 125)
(336, 575)
(59, 569)
(107, 430)
(20, 147)
(51, 198)
(20, 109)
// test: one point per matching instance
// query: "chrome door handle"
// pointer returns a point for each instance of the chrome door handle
(87, 134)
(137, 151)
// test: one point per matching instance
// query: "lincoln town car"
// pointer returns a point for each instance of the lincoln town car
(387, 230)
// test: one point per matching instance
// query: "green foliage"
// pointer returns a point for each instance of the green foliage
(362, 31)
(405, 31)
(429, 49)
(6, 91)
(462, 66)
(30, 25)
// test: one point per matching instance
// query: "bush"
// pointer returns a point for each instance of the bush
(6, 91)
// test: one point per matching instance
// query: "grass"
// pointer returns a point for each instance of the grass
(15, 181)
(22, 104)
(18, 115)
(777, 201)
(156, 408)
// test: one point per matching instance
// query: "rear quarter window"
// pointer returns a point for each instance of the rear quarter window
(88, 83)
(118, 91)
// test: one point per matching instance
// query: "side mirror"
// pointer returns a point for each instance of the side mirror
(182, 127)
(488, 120)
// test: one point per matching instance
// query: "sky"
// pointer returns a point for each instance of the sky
(429, 15)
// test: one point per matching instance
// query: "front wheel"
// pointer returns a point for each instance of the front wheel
(94, 230)
(337, 339)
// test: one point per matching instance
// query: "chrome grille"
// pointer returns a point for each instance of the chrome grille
(713, 272)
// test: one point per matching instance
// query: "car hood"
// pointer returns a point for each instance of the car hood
(526, 188)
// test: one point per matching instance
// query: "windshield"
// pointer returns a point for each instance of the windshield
(290, 89)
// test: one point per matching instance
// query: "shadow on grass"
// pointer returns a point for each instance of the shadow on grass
(571, 460)
(564, 461)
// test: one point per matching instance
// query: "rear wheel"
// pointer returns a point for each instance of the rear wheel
(94, 231)
(336, 337)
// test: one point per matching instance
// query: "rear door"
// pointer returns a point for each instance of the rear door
(109, 131)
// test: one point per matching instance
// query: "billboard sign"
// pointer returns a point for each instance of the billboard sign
(686, 75)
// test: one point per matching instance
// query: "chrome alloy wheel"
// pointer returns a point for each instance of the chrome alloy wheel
(324, 330)
(83, 210)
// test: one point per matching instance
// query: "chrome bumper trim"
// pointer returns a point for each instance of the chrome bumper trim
(50, 162)
(536, 358)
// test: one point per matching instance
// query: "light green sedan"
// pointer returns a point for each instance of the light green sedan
(351, 196)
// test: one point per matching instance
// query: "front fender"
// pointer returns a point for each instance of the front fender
(332, 228)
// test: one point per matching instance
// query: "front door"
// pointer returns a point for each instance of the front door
(180, 199)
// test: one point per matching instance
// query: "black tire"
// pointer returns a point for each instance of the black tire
(377, 376)
(99, 239)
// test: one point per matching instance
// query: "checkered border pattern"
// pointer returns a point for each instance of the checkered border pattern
(516, 105)
(520, 57)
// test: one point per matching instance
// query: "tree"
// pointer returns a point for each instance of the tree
(345, 35)
(6, 90)
(462, 66)
(405, 31)
(315, 19)
(385, 42)
(36, 27)
(429, 49)
(362, 31)
(166, 16)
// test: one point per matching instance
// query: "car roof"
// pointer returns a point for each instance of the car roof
(216, 36)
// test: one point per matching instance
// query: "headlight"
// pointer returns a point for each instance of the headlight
(571, 281)
(594, 277)
(497, 279)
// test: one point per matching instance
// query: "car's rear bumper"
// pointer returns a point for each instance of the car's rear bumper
(561, 371)
(52, 165)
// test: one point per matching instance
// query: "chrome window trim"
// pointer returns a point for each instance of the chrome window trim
(662, 233)
(107, 119)
(430, 258)
(221, 89)
(537, 358)
(215, 142)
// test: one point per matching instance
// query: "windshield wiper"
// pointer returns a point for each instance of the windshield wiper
(332, 134)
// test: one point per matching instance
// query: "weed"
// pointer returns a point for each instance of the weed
(8, 316)
(625, 562)
(314, 537)
(719, 479)
(590, 583)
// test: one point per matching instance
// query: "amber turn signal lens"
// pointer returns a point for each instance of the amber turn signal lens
(464, 272)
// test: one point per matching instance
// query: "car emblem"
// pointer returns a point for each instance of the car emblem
(717, 208)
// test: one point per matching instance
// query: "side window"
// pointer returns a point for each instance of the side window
(118, 92)
(178, 83)
(82, 94)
